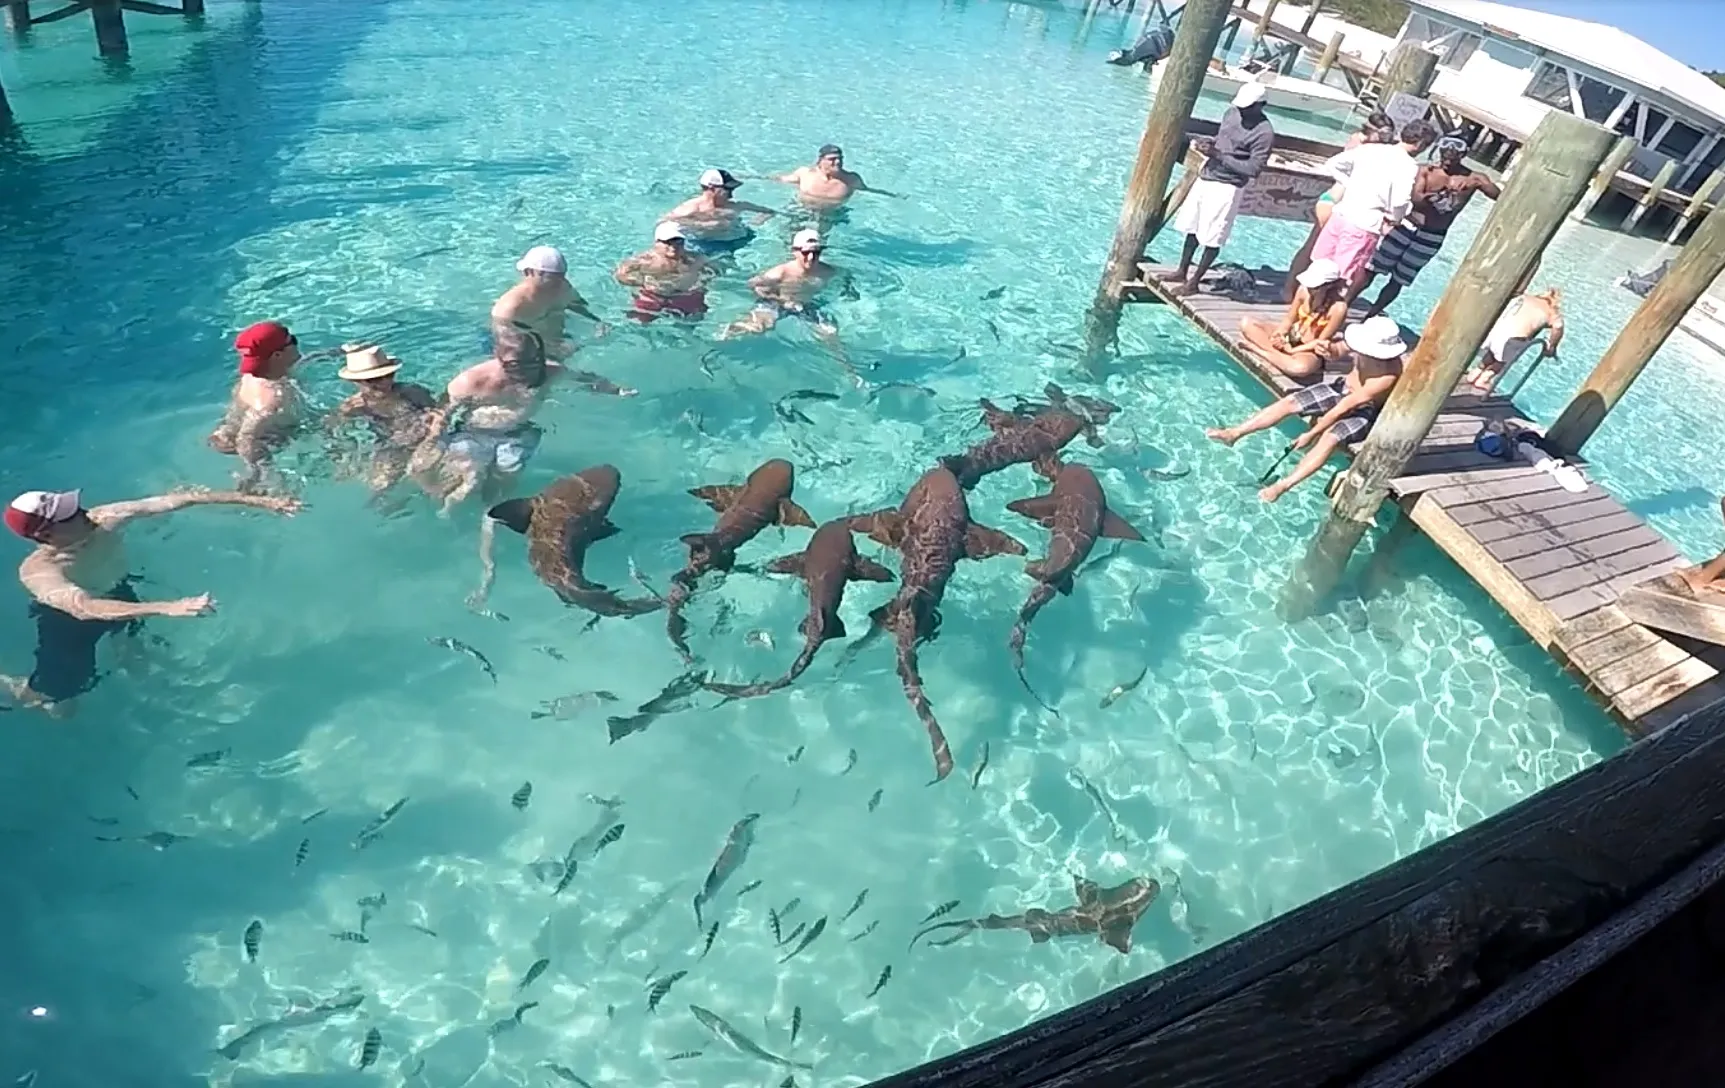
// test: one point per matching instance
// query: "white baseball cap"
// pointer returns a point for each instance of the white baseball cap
(719, 179)
(1379, 337)
(806, 239)
(1249, 94)
(34, 511)
(543, 259)
(1319, 273)
(668, 232)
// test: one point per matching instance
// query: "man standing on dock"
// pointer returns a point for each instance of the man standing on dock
(1206, 217)
(1447, 186)
(1381, 185)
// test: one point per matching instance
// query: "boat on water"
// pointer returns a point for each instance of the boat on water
(1280, 91)
(1705, 321)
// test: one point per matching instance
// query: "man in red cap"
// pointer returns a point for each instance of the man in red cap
(264, 411)
(81, 590)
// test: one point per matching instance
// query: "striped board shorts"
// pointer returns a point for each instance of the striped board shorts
(1404, 252)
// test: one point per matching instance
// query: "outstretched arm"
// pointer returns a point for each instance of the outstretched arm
(864, 187)
(114, 514)
(1554, 336)
(629, 273)
(47, 582)
(487, 564)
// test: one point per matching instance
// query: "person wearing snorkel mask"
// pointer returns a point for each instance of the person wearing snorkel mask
(1447, 186)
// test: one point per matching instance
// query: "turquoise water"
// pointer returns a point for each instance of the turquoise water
(375, 169)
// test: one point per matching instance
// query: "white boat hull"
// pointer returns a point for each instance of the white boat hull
(1280, 92)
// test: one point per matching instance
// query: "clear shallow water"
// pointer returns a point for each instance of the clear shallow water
(376, 168)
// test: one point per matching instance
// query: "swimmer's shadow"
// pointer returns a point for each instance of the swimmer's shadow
(892, 249)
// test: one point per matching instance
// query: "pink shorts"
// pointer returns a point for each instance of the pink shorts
(1349, 246)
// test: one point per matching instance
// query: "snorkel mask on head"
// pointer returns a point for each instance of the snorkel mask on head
(1453, 145)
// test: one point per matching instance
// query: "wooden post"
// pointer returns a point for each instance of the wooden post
(1233, 32)
(110, 28)
(18, 18)
(1698, 204)
(192, 7)
(1614, 162)
(5, 109)
(1262, 29)
(1158, 150)
(1411, 70)
(1328, 59)
(1650, 199)
(1696, 266)
(1562, 155)
(1311, 16)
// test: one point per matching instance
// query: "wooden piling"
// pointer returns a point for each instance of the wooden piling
(1327, 59)
(1411, 70)
(1262, 29)
(1158, 150)
(1233, 32)
(1311, 16)
(1617, 160)
(5, 109)
(110, 23)
(1696, 266)
(1564, 152)
(1650, 199)
(18, 18)
(192, 7)
(1709, 189)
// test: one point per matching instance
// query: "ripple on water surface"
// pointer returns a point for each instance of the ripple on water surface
(374, 170)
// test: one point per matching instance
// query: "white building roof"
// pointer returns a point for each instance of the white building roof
(1605, 48)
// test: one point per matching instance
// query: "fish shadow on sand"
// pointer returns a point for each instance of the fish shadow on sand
(892, 249)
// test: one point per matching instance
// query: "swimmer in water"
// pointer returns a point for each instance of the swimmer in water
(827, 184)
(668, 279)
(712, 223)
(396, 413)
(792, 289)
(264, 411)
(543, 299)
(79, 581)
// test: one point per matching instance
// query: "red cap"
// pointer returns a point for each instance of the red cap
(259, 342)
(34, 511)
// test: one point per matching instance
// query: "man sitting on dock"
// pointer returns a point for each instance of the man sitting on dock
(1446, 187)
(1342, 409)
(542, 299)
(1301, 342)
(1382, 183)
(1237, 155)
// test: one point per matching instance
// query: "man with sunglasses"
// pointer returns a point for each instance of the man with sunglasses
(264, 411)
(668, 279)
(1445, 188)
(792, 290)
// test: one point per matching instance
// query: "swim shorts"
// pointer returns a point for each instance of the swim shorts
(648, 306)
(1404, 252)
(1347, 245)
(717, 247)
(807, 311)
(1314, 400)
(66, 646)
(507, 451)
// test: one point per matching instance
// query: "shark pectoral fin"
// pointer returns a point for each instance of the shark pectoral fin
(789, 513)
(1038, 508)
(1117, 527)
(867, 570)
(1087, 891)
(880, 616)
(1057, 397)
(1038, 936)
(718, 496)
(1065, 586)
(515, 513)
(834, 628)
(882, 526)
(1046, 466)
(786, 564)
(996, 417)
(1118, 936)
(605, 529)
(981, 542)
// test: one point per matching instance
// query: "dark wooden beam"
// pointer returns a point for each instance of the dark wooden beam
(64, 13)
(1321, 994)
(144, 8)
(110, 20)
(192, 7)
(18, 17)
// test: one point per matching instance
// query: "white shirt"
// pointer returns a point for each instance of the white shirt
(1379, 185)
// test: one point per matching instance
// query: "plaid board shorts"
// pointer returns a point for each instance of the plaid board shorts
(1404, 252)
(1314, 400)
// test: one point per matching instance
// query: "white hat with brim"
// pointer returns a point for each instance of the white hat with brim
(1320, 273)
(1378, 337)
(34, 511)
(364, 364)
(668, 231)
(1249, 94)
(548, 259)
(806, 239)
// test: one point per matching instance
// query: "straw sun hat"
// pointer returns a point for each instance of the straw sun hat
(365, 363)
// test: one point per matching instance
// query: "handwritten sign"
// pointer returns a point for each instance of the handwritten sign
(1403, 108)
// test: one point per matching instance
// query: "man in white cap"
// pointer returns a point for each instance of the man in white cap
(792, 290)
(541, 300)
(395, 412)
(1300, 344)
(668, 279)
(712, 222)
(1206, 217)
(79, 581)
(1341, 409)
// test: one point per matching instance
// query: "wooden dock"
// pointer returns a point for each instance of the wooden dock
(1557, 561)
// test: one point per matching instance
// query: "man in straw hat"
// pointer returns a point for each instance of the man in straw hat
(80, 583)
(396, 412)
(1341, 409)
(264, 411)
(1206, 217)
(542, 300)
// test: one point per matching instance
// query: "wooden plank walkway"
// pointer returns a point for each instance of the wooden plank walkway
(1556, 560)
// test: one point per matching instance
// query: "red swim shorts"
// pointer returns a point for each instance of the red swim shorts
(648, 306)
